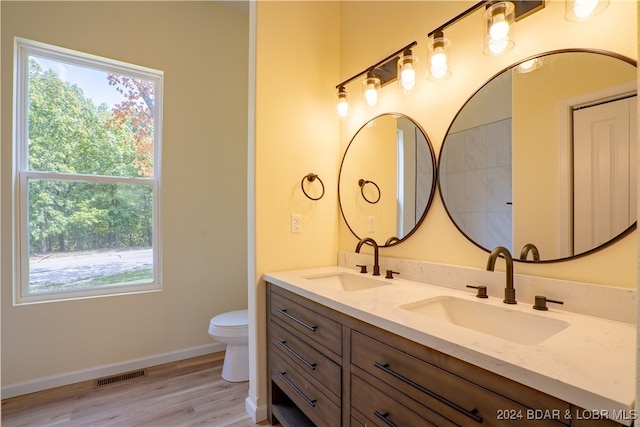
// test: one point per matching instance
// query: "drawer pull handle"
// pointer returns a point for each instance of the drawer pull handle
(384, 417)
(295, 319)
(283, 375)
(471, 414)
(309, 365)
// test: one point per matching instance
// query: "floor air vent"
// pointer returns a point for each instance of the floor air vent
(101, 382)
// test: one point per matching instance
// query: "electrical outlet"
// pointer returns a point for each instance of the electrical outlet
(296, 223)
(371, 223)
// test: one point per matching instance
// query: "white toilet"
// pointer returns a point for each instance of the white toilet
(232, 329)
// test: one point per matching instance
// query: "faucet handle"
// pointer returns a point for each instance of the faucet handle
(390, 274)
(482, 291)
(363, 268)
(541, 302)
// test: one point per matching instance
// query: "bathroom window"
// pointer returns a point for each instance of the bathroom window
(87, 174)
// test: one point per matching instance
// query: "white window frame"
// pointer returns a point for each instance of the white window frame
(23, 48)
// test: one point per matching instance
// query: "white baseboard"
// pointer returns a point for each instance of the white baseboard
(45, 383)
(257, 413)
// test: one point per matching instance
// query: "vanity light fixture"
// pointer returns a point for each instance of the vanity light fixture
(370, 86)
(342, 107)
(499, 19)
(407, 83)
(377, 76)
(438, 53)
(581, 10)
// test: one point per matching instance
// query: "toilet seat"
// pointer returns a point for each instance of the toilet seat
(230, 324)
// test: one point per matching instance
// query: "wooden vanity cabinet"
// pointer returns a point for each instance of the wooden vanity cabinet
(305, 361)
(452, 392)
(329, 369)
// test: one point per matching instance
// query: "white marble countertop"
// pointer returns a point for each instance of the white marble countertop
(591, 363)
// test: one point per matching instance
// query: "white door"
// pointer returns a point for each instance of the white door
(604, 171)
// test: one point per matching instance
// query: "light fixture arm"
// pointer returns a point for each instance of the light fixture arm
(523, 9)
(374, 66)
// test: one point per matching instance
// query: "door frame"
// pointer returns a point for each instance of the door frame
(565, 154)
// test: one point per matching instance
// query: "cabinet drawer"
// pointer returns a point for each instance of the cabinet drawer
(305, 358)
(357, 419)
(356, 423)
(382, 410)
(455, 398)
(526, 396)
(306, 322)
(305, 394)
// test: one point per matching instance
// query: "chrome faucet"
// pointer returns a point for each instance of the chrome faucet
(509, 291)
(376, 263)
(530, 247)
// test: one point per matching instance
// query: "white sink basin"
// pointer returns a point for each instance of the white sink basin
(347, 282)
(502, 322)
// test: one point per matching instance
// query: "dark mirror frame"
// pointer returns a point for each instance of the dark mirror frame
(433, 179)
(613, 240)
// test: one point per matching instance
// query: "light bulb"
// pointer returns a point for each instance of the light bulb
(498, 31)
(498, 46)
(408, 76)
(438, 50)
(439, 72)
(371, 94)
(343, 108)
(439, 59)
(370, 89)
(406, 72)
(527, 65)
(439, 63)
(499, 27)
(584, 8)
(580, 10)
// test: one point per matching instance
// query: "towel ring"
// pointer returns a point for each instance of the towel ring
(362, 183)
(312, 177)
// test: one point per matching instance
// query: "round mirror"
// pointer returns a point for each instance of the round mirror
(387, 179)
(542, 158)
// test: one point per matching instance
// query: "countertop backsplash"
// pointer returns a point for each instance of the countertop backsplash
(606, 302)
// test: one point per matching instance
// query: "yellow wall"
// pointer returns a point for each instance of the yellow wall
(390, 25)
(296, 133)
(303, 49)
(202, 49)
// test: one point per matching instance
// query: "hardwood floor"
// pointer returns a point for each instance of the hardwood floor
(184, 393)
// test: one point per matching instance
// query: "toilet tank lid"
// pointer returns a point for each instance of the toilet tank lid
(232, 318)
